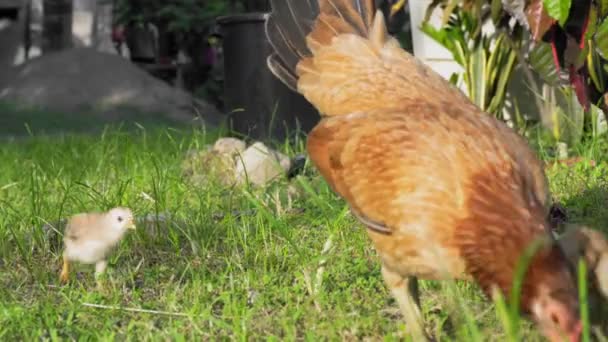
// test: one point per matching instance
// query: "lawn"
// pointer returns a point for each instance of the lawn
(231, 263)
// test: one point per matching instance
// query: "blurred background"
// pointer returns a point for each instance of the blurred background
(86, 61)
(114, 59)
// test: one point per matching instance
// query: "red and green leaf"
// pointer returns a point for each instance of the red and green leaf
(541, 60)
(539, 21)
(558, 9)
(601, 39)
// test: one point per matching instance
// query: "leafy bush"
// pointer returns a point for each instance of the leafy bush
(488, 60)
(564, 41)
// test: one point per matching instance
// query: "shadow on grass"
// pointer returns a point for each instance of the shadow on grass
(18, 121)
(589, 207)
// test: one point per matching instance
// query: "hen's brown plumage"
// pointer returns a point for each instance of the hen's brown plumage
(447, 191)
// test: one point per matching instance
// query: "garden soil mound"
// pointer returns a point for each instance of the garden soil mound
(81, 80)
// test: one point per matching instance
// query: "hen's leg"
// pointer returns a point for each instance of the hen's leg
(405, 291)
(65, 270)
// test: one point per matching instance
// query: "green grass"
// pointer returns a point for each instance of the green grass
(235, 263)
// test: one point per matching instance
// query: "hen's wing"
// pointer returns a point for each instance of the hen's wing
(412, 177)
(373, 162)
(399, 183)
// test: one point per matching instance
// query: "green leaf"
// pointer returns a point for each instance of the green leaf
(440, 36)
(556, 117)
(592, 22)
(460, 52)
(477, 82)
(541, 60)
(437, 35)
(572, 118)
(583, 296)
(593, 65)
(598, 125)
(503, 81)
(496, 60)
(558, 9)
(601, 39)
(454, 78)
(603, 4)
(502, 310)
(447, 39)
(496, 10)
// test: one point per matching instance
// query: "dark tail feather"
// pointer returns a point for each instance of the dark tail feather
(292, 21)
(286, 29)
(282, 71)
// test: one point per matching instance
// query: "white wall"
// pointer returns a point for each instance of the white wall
(441, 60)
(425, 48)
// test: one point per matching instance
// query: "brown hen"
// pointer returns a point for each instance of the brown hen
(447, 191)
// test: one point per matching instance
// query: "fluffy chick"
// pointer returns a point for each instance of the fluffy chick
(89, 237)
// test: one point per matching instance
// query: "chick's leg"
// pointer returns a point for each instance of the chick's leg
(405, 292)
(100, 268)
(65, 270)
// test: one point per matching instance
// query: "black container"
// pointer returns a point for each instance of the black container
(259, 105)
(141, 42)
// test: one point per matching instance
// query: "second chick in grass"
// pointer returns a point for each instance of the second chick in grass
(89, 237)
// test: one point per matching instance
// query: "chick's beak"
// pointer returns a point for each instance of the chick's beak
(131, 224)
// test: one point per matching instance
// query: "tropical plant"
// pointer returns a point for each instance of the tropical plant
(573, 35)
(564, 41)
(488, 60)
(569, 39)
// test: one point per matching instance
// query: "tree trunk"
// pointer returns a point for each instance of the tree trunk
(57, 25)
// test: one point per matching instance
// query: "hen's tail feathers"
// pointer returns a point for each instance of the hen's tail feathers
(298, 28)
